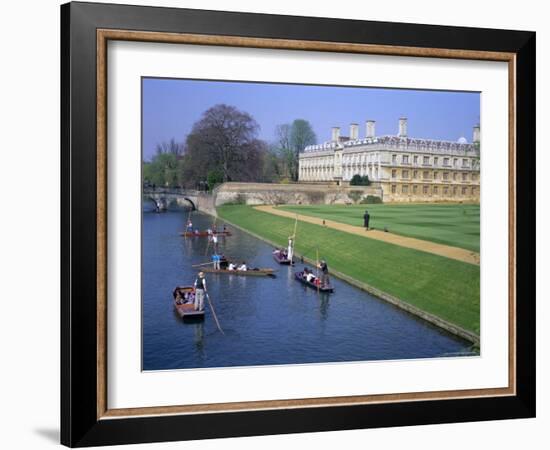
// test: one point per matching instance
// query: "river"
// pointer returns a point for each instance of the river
(265, 320)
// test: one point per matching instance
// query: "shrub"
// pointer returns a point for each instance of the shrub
(355, 196)
(370, 199)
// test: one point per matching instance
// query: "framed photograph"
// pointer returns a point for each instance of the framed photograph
(277, 224)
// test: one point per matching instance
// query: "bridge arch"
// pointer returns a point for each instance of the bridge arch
(193, 206)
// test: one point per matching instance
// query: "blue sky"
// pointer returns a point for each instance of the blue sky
(172, 106)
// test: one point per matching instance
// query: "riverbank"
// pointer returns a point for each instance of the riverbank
(442, 291)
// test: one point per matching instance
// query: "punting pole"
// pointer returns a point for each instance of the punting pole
(204, 264)
(214, 313)
(317, 265)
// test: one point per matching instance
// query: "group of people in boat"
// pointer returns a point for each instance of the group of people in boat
(322, 280)
(220, 262)
(211, 231)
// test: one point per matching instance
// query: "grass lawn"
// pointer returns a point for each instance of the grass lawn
(438, 285)
(451, 224)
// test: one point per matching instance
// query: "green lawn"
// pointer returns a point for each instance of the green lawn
(438, 285)
(451, 224)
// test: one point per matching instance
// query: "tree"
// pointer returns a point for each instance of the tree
(358, 180)
(292, 139)
(224, 140)
(162, 170)
(172, 147)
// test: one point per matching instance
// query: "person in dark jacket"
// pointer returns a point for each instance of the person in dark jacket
(366, 219)
(200, 291)
(325, 281)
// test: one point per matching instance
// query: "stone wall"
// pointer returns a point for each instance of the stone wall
(291, 194)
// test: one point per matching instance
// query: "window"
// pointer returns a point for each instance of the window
(455, 162)
(465, 162)
(454, 191)
(405, 159)
(404, 174)
(393, 188)
(445, 175)
(394, 159)
(426, 175)
(454, 176)
(426, 160)
(464, 177)
(435, 175)
(445, 190)
(464, 191)
(415, 189)
(435, 189)
(445, 161)
(435, 160)
(393, 173)
(473, 191)
(474, 177)
(415, 159)
(415, 174)
(424, 189)
(405, 189)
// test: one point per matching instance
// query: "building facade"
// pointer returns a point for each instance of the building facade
(407, 169)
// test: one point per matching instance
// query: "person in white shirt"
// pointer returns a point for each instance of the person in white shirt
(231, 266)
(290, 249)
(243, 267)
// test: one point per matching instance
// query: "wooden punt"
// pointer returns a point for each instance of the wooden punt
(184, 303)
(300, 277)
(204, 233)
(281, 258)
(246, 273)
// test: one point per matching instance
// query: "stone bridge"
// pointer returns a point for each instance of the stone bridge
(260, 194)
(292, 194)
(163, 197)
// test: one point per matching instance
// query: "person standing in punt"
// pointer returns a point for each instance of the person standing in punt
(216, 260)
(324, 273)
(200, 291)
(290, 249)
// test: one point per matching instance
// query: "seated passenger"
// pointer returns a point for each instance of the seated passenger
(243, 267)
(232, 266)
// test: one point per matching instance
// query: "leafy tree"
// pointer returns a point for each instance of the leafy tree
(163, 169)
(214, 177)
(358, 180)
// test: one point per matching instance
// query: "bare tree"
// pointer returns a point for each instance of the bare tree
(172, 147)
(291, 140)
(225, 139)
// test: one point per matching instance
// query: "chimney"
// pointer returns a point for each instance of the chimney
(476, 134)
(370, 128)
(353, 132)
(335, 134)
(402, 127)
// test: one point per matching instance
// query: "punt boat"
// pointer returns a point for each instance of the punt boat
(246, 273)
(204, 233)
(281, 257)
(184, 299)
(300, 277)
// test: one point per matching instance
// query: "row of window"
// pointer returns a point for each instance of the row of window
(426, 175)
(435, 190)
(405, 159)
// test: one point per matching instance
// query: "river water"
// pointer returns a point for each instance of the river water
(265, 320)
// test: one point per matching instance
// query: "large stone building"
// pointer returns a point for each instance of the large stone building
(407, 169)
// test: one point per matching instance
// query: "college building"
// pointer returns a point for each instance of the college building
(407, 169)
